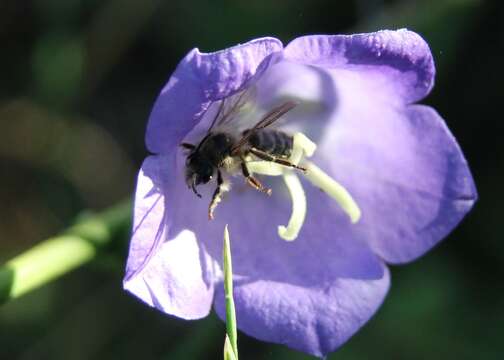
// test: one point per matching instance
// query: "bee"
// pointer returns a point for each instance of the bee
(221, 150)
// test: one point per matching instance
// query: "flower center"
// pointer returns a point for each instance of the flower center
(302, 148)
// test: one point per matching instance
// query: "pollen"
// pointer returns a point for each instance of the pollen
(304, 148)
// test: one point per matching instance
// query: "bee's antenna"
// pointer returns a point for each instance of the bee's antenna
(193, 186)
(187, 146)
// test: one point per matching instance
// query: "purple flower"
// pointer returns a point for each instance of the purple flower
(401, 165)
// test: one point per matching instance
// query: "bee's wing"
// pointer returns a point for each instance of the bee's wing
(229, 109)
(266, 121)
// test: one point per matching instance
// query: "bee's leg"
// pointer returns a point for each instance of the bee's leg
(252, 181)
(217, 196)
(268, 157)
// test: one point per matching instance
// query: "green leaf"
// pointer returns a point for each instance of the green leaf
(228, 350)
(228, 290)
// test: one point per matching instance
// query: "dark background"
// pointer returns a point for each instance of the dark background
(77, 82)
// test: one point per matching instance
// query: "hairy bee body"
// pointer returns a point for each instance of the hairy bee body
(216, 148)
(214, 151)
(221, 150)
(273, 142)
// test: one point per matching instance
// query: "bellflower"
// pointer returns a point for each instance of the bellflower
(394, 183)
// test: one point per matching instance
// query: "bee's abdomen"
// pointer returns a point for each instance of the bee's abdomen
(272, 141)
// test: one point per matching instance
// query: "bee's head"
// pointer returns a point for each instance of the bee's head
(198, 171)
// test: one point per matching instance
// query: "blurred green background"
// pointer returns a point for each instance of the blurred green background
(77, 82)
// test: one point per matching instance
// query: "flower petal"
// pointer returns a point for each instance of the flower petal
(169, 275)
(401, 58)
(198, 80)
(314, 320)
(402, 166)
(399, 162)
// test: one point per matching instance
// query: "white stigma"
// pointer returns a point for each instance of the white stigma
(335, 190)
(296, 221)
(301, 145)
(304, 147)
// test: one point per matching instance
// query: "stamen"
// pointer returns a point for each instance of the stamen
(265, 168)
(298, 214)
(335, 190)
(301, 145)
(304, 147)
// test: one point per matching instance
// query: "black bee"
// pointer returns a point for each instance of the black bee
(225, 150)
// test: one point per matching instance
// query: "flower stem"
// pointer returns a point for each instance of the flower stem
(228, 290)
(61, 254)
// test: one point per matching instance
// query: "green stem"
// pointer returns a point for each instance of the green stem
(61, 254)
(228, 290)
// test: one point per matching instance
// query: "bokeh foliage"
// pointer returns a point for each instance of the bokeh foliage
(77, 81)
